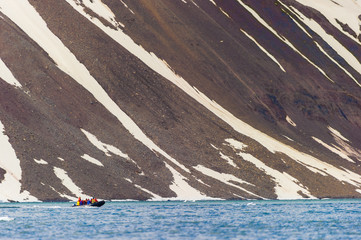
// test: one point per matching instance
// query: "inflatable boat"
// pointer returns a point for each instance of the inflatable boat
(96, 204)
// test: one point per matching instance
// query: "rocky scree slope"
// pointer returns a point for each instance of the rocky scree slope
(181, 99)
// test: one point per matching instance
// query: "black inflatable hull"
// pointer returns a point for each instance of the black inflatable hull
(96, 204)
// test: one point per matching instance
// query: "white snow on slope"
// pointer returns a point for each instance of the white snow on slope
(92, 160)
(228, 159)
(63, 195)
(41, 161)
(287, 187)
(10, 186)
(106, 148)
(155, 196)
(333, 149)
(223, 156)
(289, 120)
(182, 188)
(270, 143)
(346, 11)
(282, 38)
(317, 44)
(102, 10)
(342, 146)
(125, 5)
(264, 50)
(69, 184)
(212, 1)
(7, 75)
(26, 17)
(337, 134)
(337, 46)
(225, 178)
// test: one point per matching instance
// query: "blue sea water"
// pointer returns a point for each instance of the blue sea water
(301, 219)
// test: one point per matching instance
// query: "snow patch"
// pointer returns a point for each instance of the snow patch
(344, 149)
(68, 183)
(41, 161)
(346, 11)
(10, 186)
(101, 10)
(225, 178)
(182, 189)
(155, 196)
(289, 120)
(236, 144)
(344, 145)
(212, 1)
(337, 134)
(228, 159)
(72, 198)
(106, 148)
(7, 75)
(92, 160)
(333, 149)
(287, 187)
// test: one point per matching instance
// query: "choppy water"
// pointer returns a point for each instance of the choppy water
(311, 219)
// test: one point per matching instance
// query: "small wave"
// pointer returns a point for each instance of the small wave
(6, 219)
(251, 204)
(38, 206)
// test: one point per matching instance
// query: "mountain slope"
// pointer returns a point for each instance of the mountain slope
(179, 99)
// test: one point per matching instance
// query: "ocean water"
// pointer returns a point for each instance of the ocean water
(301, 219)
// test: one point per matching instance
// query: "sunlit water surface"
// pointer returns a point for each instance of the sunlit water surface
(303, 219)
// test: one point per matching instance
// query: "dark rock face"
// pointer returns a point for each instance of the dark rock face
(258, 104)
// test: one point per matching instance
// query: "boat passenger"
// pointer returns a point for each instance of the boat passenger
(78, 202)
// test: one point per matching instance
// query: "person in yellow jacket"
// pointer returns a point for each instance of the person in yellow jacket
(78, 202)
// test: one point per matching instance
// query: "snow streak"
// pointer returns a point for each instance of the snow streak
(7, 75)
(10, 186)
(282, 38)
(338, 47)
(344, 11)
(287, 187)
(264, 50)
(69, 184)
(225, 178)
